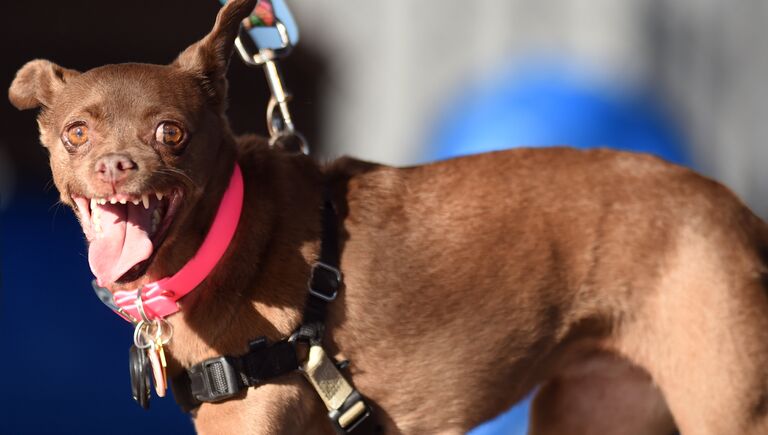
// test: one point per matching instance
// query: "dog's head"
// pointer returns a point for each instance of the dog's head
(133, 146)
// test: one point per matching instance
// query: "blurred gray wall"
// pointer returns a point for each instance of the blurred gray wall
(710, 58)
(394, 63)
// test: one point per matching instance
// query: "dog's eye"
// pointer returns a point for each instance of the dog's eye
(75, 136)
(169, 133)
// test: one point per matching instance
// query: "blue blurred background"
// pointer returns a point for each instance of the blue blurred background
(397, 82)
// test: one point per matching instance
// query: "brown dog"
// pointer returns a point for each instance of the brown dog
(632, 290)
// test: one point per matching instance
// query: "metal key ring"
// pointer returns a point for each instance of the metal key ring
(138, 336)
(164, 331)
(164, 339)
(140, 306)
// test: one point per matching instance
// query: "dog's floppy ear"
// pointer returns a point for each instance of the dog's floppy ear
(208, 58)
(37, 83)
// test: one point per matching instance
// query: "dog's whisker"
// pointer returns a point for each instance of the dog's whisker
(55, 208)
(177, 175)
(49, 185)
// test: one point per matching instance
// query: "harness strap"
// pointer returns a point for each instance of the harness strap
(223, 377)
(325, 278)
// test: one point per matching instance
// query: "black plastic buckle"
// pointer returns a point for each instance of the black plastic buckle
(336, 415)
(214, 380)
(324, 281)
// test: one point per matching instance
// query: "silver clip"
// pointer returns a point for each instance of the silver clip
(280, 126)
(263, 55)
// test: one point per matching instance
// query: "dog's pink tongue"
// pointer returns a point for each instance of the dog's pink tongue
(122, 243)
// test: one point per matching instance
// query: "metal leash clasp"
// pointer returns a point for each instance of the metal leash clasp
(260, 50)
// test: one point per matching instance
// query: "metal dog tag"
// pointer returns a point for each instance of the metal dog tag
(140, 370)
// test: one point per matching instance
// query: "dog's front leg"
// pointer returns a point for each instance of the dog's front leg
(284, 407)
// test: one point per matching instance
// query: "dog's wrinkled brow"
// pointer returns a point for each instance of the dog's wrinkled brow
(156, 112)
(94, 111)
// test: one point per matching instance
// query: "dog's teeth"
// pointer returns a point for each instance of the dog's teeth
(96, 219)
(136, 201)
(123, 201)
(159, 196)
(93, 204)
(113, 201)
(145, 200)
(102, 201)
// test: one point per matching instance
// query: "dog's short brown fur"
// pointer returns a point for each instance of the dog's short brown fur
(633, 291)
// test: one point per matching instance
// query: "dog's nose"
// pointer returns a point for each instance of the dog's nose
(114, 168)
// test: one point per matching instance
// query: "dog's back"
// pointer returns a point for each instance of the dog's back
(515, 268)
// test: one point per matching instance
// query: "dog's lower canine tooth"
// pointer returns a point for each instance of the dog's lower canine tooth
(145, 200)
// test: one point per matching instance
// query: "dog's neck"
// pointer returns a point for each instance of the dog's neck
(276, 240)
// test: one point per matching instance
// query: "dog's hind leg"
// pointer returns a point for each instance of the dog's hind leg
(703, 334)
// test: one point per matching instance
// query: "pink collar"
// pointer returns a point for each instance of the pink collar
(160, 298)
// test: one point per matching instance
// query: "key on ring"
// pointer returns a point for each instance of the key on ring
(162, 332)
(157, 361)
(150, 338)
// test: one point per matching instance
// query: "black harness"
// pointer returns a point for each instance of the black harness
(223, 377)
